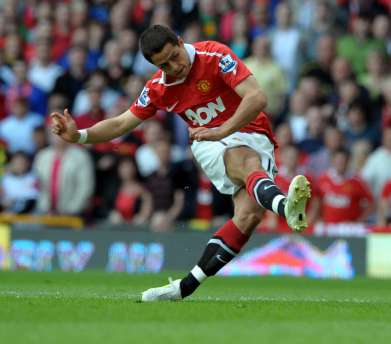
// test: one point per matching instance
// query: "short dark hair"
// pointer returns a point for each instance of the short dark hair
(153, 40)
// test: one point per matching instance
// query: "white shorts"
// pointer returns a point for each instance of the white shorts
(210, 156)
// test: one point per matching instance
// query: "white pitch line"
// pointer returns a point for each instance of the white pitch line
(60, 295)
(124, 296)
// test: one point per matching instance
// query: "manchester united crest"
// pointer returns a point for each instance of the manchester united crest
(203, 86)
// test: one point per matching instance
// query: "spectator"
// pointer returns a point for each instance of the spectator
(311, 89)
(349, 92)
(360, 152)
(269, 74)
(66, 178)
(19, 186)
(312, 142)
(167, 193)
(320, 66)
(227, 23)
(96, 113)
(17, 129)
(240, 36)
(341, 70)
(209, 18)
(133, 203)
(39, 138)
(360, 126)
(79, 13)
(13, 49)
(73, 80)
(377, 169)
(298, 107)
(22, 87)
(321, 24)
(386, 108)
(192, 33)
(128, 44)
(113, 65)
(96, 35)
(355, 47)
(286, 44)
(381, 29)
(384, 208)
(97, 81)
(375, 76)
(344, 197)
(146, 156)
(43, 72)
(61, 29)
(333, 140)
(261, 17)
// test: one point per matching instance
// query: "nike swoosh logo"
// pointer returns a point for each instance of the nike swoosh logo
(268, 187)
(221, 259)
(170, 108)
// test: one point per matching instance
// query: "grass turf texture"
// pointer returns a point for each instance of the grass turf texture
(97, 307)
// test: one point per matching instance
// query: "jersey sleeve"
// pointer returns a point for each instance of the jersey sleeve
(143, 107)
(231, 69)
(386, 192)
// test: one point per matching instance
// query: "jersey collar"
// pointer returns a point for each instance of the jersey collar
(190, 49)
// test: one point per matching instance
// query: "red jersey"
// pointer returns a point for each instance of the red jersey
(206, 97)
(343, 199)
(386, 195)
(386, 192)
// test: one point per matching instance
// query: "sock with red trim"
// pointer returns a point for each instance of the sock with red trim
(220, 250)
(265, 192)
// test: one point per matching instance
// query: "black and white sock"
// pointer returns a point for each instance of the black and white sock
(265, 192)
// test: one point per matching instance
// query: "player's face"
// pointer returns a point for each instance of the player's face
(173, 60)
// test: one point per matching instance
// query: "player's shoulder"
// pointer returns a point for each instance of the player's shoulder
(154, 86)
(210, 46)
(211, 50)
(155, 79)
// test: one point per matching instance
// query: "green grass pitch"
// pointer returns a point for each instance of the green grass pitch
(98, 307)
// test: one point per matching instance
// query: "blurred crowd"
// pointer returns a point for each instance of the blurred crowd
(324, 65)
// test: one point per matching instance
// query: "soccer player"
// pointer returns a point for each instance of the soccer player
(214, 92)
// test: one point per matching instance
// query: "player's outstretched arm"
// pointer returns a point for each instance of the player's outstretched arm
(64, 126)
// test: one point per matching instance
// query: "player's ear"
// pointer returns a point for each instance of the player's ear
(181, 42)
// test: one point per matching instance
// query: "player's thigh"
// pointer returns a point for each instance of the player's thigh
(240, 162)
(247, 212)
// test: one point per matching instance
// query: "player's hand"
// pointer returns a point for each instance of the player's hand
(64, 126)
(206, 134)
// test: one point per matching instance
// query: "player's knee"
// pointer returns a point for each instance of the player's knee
(251, 163)
(240, 162)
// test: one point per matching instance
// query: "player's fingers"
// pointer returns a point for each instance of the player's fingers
(55, 116)
(67, 115)
(193, 131)
(57, 129)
